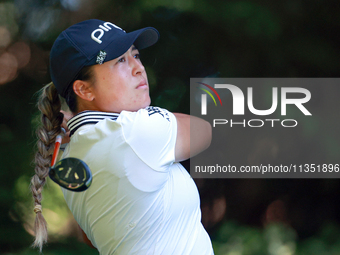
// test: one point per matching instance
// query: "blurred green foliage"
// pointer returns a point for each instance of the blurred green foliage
(199, 38)
(274, 239)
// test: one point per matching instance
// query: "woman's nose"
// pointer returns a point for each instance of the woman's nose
(137, 66)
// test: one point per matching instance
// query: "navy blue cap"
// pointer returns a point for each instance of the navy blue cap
(92, 42)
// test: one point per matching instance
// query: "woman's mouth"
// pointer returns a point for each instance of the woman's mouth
(142, 85)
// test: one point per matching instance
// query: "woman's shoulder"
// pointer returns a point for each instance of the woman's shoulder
(149, 111)
(147, 116)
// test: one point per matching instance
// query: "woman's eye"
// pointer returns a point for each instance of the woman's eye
(121, 60)
(137, 56)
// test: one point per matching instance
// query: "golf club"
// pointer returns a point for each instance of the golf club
(70, 173)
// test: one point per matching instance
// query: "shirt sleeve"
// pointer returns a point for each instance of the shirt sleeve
(151, 133)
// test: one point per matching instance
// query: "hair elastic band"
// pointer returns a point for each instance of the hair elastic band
(37, 208)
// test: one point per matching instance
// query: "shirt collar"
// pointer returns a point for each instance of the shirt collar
(88, 117)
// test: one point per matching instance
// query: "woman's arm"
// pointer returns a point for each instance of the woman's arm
(199, 133)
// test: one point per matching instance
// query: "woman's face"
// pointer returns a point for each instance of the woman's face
(121, 84)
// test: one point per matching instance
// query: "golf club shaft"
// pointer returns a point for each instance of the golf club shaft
(56, 149)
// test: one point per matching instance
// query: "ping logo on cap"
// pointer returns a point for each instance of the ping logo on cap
(101, 30)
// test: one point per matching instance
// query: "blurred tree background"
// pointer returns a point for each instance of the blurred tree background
(199, 38)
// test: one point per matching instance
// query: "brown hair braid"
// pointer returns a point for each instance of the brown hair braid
(51, 119)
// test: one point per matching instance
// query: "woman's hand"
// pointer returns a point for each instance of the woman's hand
(85, 239)
(67, 117)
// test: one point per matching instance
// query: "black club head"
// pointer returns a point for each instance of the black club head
(72, 174)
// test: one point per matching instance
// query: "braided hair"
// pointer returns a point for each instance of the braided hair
(51, 118)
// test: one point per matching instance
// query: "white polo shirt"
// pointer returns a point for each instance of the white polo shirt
(141, 201)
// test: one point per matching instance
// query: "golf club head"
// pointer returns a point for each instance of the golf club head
(72, 174)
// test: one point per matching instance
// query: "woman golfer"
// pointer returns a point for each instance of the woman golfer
(141, 201)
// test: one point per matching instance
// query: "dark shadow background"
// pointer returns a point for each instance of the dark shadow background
(199, 38)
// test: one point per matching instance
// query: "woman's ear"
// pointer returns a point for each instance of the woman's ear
(83, 89)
